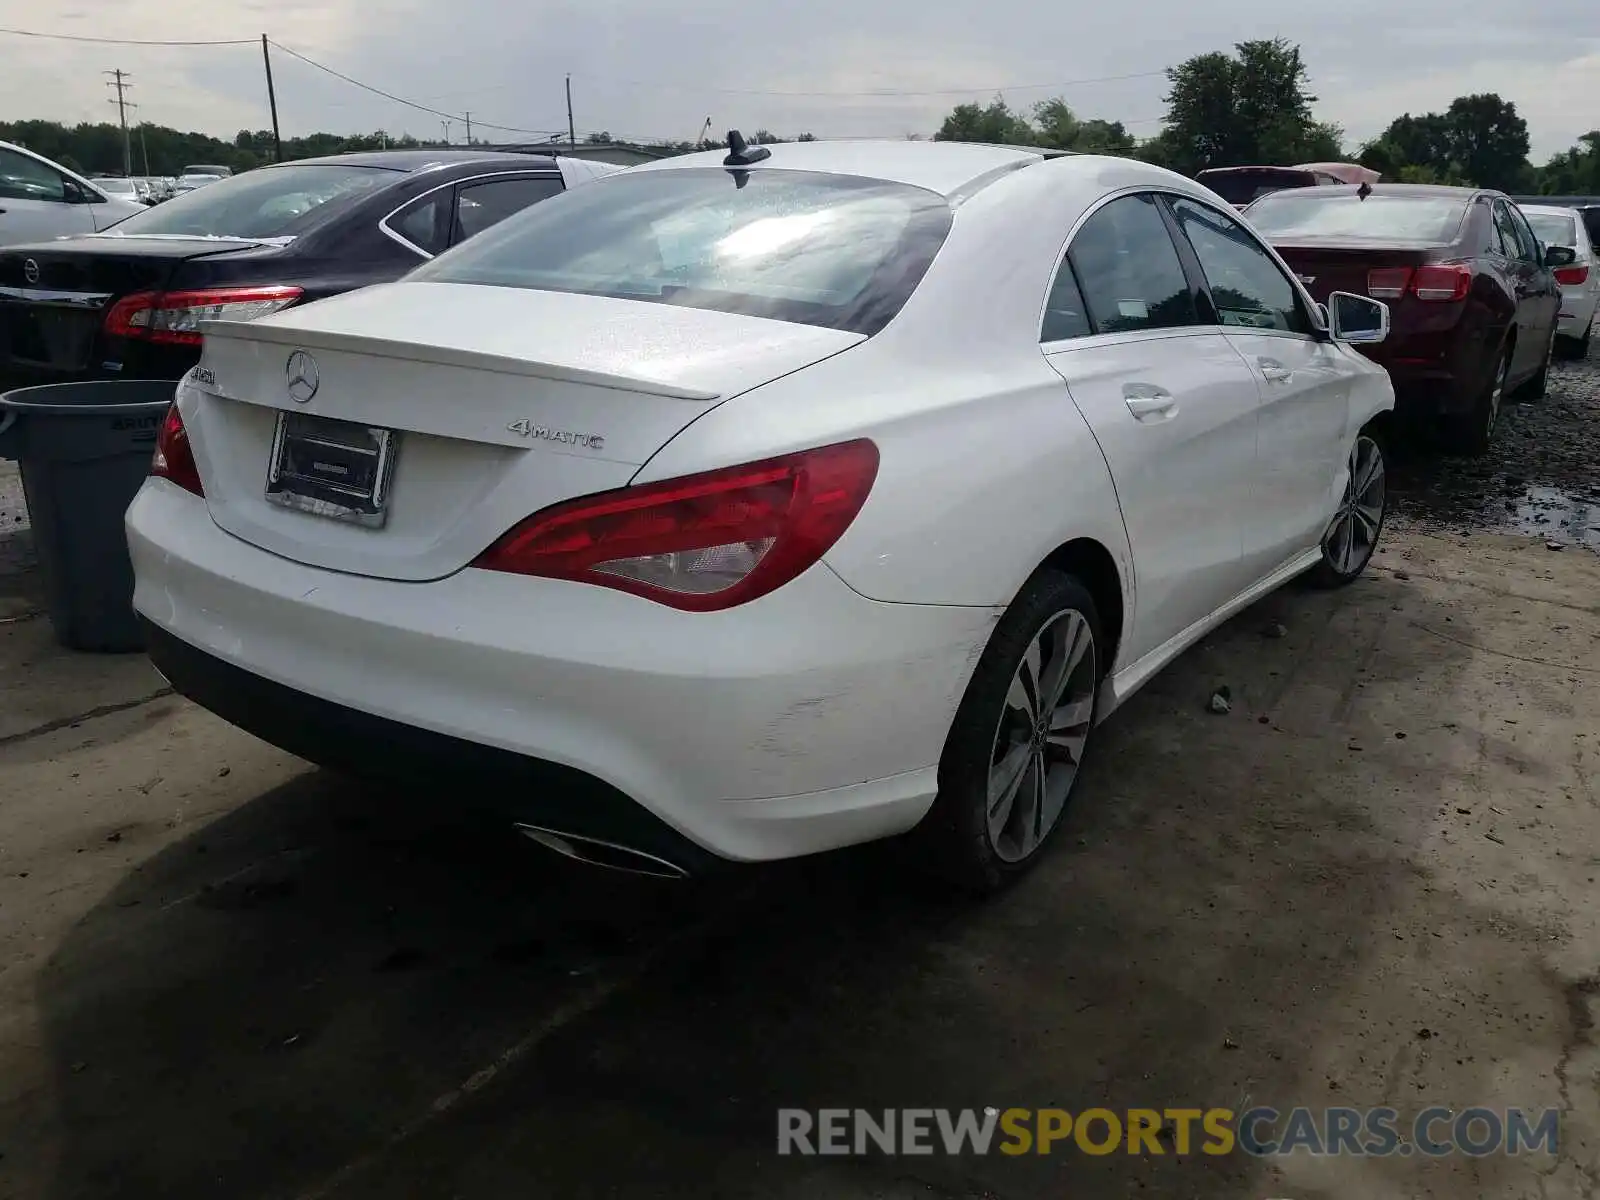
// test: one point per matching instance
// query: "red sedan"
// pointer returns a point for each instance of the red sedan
(1472, 296)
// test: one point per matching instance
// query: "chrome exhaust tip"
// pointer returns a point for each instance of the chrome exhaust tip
(597, 853)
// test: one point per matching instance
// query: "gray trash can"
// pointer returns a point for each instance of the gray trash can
(84, 449)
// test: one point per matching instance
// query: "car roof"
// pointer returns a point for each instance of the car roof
(1562, 209)
(948, 168)
(413, 160)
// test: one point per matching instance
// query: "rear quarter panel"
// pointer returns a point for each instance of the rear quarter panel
(984, 471)
(987, 465)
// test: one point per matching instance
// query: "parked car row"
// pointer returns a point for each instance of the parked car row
(736, 507)
(1481, 292)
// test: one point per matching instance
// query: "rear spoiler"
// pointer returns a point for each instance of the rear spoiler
(376, 347)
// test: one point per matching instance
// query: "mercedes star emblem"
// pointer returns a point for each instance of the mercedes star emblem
(303, 379)
(30, 271)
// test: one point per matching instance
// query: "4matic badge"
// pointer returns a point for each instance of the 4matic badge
(527, 429)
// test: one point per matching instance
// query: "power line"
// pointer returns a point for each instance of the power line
(108, 41)
(377, 91)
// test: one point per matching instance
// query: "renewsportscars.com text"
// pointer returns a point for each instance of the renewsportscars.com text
(1261, 1131)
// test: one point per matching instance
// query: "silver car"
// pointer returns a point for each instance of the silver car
(1580, 282)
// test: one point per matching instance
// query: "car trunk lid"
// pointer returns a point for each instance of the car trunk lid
(54, 297)
(1344, 266)
(498, 402)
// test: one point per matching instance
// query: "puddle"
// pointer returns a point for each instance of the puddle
(1498, 504)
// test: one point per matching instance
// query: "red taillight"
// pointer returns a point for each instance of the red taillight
(175, 317)
(703, 542)
(1449, 283)
(1445, 283)
(174, 457)
(1389, 283)
(1572, 276)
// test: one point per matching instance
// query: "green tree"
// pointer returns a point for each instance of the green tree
(1489, 140)
(994, 123)
(1574, 172)
(1252, 106)
(1479, 140)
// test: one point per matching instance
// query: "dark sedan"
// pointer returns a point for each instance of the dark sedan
(1471, 293)
(127, 303)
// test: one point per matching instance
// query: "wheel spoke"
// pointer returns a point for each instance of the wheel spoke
(1032, 832)
(1369, 517)
(1028, 676)
(1005, 777)
(1371, 471)
(1058, 665)
(1019, 700)
(1066, 749)
(1344, 541)
(1072, 715)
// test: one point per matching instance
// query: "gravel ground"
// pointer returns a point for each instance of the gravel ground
(1542, 476)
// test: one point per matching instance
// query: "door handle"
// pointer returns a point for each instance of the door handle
(1147, 400)
(1274, 371)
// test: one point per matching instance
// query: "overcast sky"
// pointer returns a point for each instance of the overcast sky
(833, 67)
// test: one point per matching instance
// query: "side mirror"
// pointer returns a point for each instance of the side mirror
(1559, 256)
(1357, 320)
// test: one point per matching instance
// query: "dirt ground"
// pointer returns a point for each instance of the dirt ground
(223, 974)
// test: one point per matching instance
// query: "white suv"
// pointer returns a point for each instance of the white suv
(41, 200)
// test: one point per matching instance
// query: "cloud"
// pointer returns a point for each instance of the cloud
(833, 67)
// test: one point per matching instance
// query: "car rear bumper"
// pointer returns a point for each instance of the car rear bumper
(1577, 312)
(809, 719)
(1433, 375)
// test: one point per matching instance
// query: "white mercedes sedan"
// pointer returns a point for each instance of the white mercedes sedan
(742, 506)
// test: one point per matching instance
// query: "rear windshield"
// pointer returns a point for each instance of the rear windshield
(1553, 229)
(832, 250)
(1241, 187)
(1383, 216)
(270, 203)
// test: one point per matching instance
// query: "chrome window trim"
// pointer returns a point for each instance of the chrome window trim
(389, 232)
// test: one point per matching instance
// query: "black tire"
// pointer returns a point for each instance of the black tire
(1539, 386)
(954, 840)
(1471, 432)
(1336, 569)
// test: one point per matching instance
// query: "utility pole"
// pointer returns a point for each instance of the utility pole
(445, 125)
(469, 127)
(572, 131)
(272, 101)
(144, 150)
(121, 80)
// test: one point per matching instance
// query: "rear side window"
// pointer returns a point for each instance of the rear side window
(1513, 242)
(1246, 285)
(24, 178)
(1591, 222)
(1554, 229)
(838, 251)
(1525, 235)
(1326, 214)
(1129, 269)
(267, 203)
(424, 222)
(480, 205)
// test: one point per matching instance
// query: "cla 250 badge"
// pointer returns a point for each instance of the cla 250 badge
(527, 429)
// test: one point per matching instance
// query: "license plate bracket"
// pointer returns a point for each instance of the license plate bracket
(335, 469)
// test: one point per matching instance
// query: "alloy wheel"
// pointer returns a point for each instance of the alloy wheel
(1040, 738)
(1352, 535)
